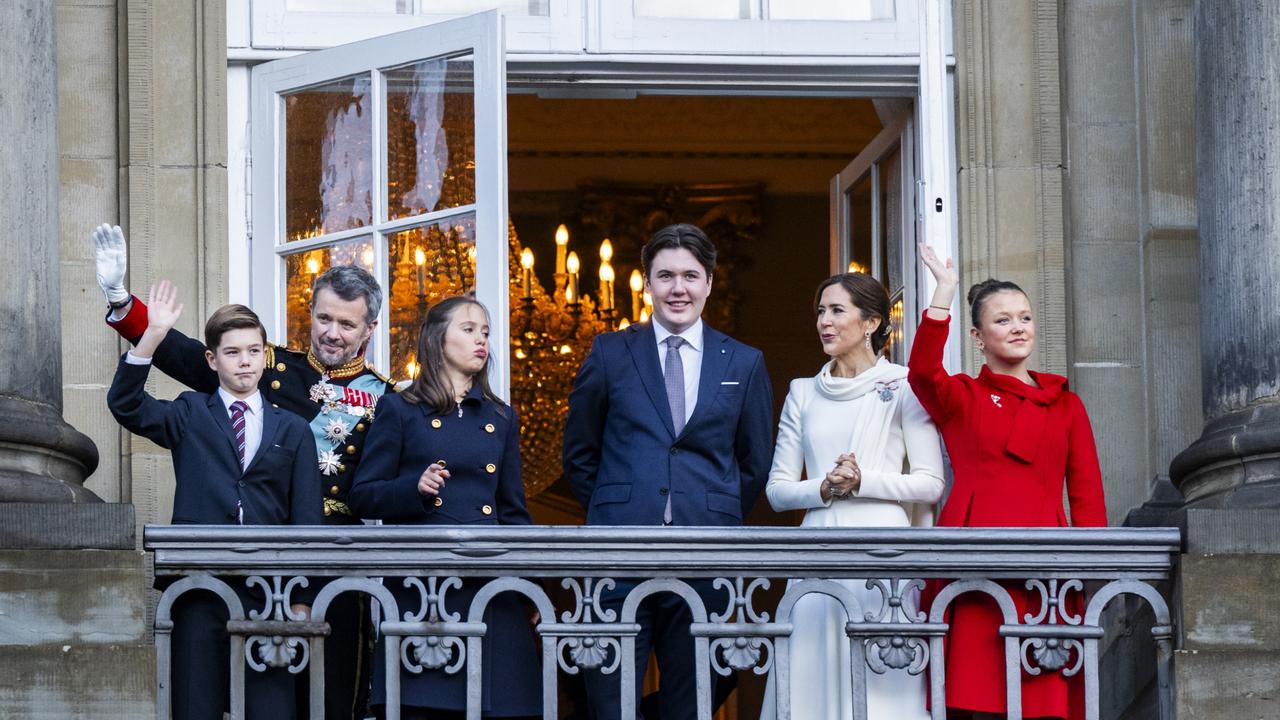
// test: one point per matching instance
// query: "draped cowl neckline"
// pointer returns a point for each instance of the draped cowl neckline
(874, 379)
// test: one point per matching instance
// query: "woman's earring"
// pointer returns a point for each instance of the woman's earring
(866, 339)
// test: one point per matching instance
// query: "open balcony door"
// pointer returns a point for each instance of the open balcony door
(389, 153)
(873, 217)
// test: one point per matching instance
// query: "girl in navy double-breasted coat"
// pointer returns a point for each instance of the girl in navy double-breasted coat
(446, 451)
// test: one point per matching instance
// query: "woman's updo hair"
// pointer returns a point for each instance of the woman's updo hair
(979, 293)
(869, 296)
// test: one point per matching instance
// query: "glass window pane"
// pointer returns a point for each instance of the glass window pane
(430, 136)
(302, 269)
(703, 9)
(425, 265)
(328, 158)
(859, 199)
(849, 10)
(891, 219)
(469, 7)
(367, 7)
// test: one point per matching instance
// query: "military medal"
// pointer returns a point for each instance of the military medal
(336, 430)
(330, 463)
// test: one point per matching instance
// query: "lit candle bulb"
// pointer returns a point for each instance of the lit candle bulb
(526, 262)
(624, 324)
(562, 246)
(648, 301)
(313, 266)
(637, 290)
(644, 315)
(606, 285)
(420, 259)
(606, 250)
(572, 265)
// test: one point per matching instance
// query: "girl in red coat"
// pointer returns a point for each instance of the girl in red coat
(1015, 437)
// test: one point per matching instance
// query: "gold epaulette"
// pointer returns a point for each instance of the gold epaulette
(271, 355)
(380, 376)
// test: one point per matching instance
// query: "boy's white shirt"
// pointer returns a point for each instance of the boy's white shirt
(252, 418)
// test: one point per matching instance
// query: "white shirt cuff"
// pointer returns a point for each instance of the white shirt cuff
(132, 359)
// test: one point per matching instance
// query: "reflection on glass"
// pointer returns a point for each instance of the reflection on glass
(430, 137)
(891, 220)
(425, 7)
(425, 265)
(702, 10)
(302, 269)
(849, 10)
(366, 7)
(328, 158)
(860, 226)
(468, 7)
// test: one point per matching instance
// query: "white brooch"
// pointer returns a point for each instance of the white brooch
(336, 430)
(322, 391)
(995, 400)
(329, 463)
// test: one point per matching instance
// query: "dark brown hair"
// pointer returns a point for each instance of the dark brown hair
(979, 293)
(869, 296)
(674, 237)
(431, 387)
(231, 317)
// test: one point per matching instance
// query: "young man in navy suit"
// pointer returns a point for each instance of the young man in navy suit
(670, 423)
(237, 460)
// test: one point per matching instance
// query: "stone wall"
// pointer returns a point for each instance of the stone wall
(142, 89)
(1128, 69)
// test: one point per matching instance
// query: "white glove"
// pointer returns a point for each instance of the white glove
(110, 251)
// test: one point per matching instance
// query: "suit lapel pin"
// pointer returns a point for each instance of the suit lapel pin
(995, 400)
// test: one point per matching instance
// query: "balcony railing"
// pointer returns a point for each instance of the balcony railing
(1074, 573)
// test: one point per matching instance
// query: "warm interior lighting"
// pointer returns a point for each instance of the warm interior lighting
(573, 263)
(419, 257)
(526, 259)
(313, 266)
(624, 324)
(606, 272)
(856, 267)
(562, 235)
(411, 369)
(637, 281)
(606, 250)
(366, 257)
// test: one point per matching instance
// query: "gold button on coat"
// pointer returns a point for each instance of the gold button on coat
(486, 510)
(335, 490)
(436, 423)
(491, 468)
(279, 367)
(328, 511)
(439, 501)
(359, 427)
(488, 428)
(351, 449)
(275, 384)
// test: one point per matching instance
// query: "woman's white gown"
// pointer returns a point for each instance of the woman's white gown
(877, 417)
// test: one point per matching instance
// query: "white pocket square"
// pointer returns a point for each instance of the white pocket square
(729, 383)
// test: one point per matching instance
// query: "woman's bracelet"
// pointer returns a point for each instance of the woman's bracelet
(943, 308)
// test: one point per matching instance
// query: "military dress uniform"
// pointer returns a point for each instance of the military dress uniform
(339, 404)
(478, 442)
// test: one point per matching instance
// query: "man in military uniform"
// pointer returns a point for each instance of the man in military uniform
(330, 386)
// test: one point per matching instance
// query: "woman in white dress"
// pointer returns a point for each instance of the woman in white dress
(855, 449)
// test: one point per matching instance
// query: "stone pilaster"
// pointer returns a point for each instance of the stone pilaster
(42, 458)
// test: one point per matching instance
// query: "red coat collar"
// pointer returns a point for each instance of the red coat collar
(1033, 415)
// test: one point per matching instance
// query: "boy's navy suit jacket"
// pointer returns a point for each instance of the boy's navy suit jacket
(280, 486)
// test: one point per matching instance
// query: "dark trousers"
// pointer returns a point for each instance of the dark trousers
(200, 668)
(664, 621)
(348, 658)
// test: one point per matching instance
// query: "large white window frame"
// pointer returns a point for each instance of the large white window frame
(478, 36)
(620, 30)
(920, 71)
(274, 26)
